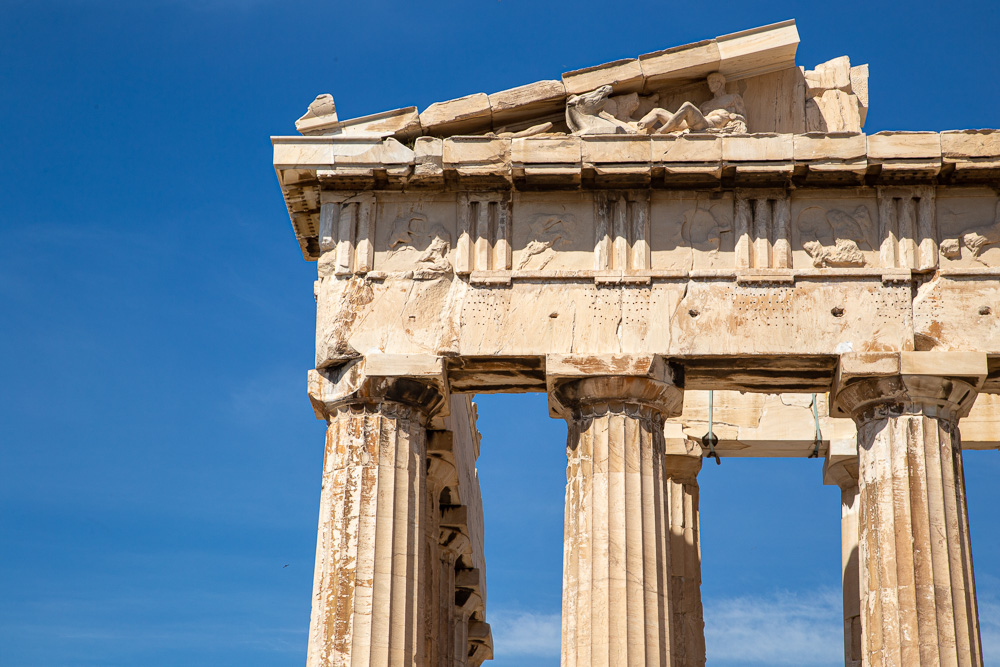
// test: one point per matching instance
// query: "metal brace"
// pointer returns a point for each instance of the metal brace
(819, 434)
(710, 440)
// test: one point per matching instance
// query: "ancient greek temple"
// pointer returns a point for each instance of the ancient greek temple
(695, 253)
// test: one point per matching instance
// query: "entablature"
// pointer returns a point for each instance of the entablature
(762, 273)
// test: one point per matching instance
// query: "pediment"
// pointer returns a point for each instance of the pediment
(728, 114)
(758, 67)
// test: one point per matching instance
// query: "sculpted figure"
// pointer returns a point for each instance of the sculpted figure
(435, 258)
(411, 233)
(529, 132)
(585, 114)
(976, 241)
(725, 112)
(836, 236)
(323, 105)
(548, 233)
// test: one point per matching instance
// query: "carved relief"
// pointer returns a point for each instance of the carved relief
(597, 112)
(724, 113)
(547, 234)
(705, 234)
(585, 114)
(413, 233)
(552, 232)
(630, 106)
(691, 231)
(976, 236)
(836, 237)
(702, 228)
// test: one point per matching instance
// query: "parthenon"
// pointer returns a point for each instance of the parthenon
(704, 225)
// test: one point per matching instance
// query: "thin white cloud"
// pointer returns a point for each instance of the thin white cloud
(525, 633)
(989, 629)
(781, 628)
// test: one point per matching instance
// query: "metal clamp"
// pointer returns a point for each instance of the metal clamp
(710, 440)
(819, 434)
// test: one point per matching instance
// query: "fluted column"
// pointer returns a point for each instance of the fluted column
(616, 566)
(688, 622)
(445, 631)
(845, 475)
(372, 586)
(918, 601)
(369, 589)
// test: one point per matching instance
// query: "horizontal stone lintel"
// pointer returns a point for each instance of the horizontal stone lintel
(885, 148)
(748, 425)
(732, 374)
(773, 425)
(965, 150)
(307, 166)
(755, 335)
(501, 157)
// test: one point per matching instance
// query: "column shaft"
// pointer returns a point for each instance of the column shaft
(688, 622)
(370, 589)
(918, 595)
(444, 653)
(616, 602)
(849, 505)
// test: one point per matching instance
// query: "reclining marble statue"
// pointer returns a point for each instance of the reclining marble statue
(704, 225)
(725, 112)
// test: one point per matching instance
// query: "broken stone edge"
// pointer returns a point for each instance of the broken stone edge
(738, 55)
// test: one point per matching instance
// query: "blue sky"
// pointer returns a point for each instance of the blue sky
(159, 461)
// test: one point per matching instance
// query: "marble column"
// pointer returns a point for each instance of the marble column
(446, 544)
(372, 585)
(445, 654)
(845, 475)
(687, 626)
(616, 566)
(918, 601)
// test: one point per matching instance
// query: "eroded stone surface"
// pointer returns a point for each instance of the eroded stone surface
(628, 239)
(617, 602)
(918, 600)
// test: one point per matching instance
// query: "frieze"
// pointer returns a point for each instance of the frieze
(630, 232)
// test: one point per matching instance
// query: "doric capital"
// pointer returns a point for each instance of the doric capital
(577, 383)
(937, 384)
(416, 382)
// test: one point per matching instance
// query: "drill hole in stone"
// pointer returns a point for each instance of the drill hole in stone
(985, 310)
(837, 311)
(693, 313)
